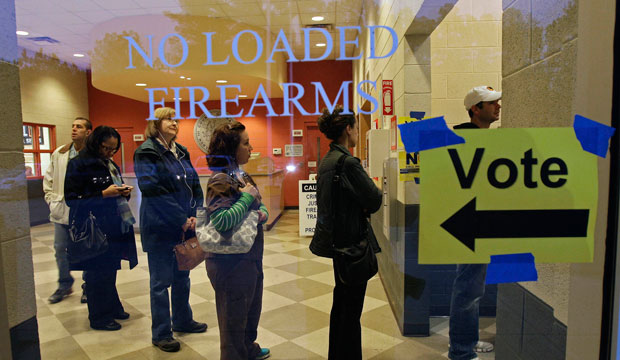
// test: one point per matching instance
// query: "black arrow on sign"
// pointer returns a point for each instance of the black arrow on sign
(469, 224)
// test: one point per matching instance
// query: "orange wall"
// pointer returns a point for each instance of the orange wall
(265, 132)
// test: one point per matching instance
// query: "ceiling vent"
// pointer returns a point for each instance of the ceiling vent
(327, 27)
(45, 39)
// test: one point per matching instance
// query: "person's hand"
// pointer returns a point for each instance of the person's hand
(262, 217)
(126, 190)
(187, 225)
(250, 189)
(192, 223)
(112, 191)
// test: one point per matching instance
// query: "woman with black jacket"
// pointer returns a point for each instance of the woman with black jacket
(357, 199)
(170, 195)
(93, 184)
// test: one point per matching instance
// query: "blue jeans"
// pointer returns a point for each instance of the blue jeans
(467, 291)
(165, 273)
(61, 240)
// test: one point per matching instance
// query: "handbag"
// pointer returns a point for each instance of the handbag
(355, 264)
(189, 254)
(238, 240)
(87, 240)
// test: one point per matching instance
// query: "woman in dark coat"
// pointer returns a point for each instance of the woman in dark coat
(170, 195)
(358, 198)
(236, 278)
(94, 185)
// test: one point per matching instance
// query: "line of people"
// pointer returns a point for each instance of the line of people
(83, 180)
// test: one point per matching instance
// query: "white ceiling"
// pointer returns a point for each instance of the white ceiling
(70, 21)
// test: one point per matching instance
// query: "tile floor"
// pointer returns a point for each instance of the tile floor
(294, 321)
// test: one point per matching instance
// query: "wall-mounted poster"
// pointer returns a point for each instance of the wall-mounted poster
(293, 150)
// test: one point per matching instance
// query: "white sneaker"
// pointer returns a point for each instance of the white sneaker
(483, 347)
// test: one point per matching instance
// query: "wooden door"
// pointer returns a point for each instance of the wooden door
(317, 146)
(124, 156)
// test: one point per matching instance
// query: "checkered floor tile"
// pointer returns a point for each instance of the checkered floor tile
(294, 322)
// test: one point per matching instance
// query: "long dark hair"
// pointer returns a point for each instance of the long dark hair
(223, 146)
(98, 136)
(333, 124)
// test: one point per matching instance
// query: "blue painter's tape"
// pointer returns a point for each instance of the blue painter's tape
(593, 136)
(417, 180)
(427, 134)
(416, 114)
(511, 268)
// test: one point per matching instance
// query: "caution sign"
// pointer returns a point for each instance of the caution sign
(307, 207)
(508, 191)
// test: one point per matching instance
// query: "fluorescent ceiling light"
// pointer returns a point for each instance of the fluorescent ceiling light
(320, 45)
(221, 81)
(78, 55)
(140, 84)
(182, 77)
(22, 33)
(318, 18)
(188, 78)
(243, 96)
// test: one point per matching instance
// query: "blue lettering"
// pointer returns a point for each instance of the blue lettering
(328, 45)
(259, 46)
(287, 48)
(152, 101)
(162, 52)
(372, 41)
(287, 90)
(261, 91)
(193, 102)
(177, 103)
(209, 39)
(368, 97)
(343, 43)
(223, 100)
(148, 58)
(344, 89)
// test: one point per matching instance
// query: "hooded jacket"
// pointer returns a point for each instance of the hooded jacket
(357, 199)
(171, 193)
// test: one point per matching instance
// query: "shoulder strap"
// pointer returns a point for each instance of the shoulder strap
(335, 190)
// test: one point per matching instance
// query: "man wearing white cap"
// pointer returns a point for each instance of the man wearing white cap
(482, 105)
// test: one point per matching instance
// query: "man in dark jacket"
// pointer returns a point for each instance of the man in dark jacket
(482, 105)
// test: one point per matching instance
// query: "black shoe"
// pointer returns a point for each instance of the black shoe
(192, 327)
(58, 295)
(84, 299)
(168, 345)
(121, 315)
(111, 326)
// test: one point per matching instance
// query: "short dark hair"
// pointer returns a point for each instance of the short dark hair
(98, 136)
(471, 113)
(223, 146)
(333, 124)
(89, 125)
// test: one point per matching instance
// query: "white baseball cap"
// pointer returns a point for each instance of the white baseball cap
(481, 93)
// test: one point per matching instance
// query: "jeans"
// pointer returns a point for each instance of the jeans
(61, 240)
(165, 273)
(345, 331)
(238, 285)
(103, 301)
(467, 291)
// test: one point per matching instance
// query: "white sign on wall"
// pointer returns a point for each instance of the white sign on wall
(307, 207)
(293, 150)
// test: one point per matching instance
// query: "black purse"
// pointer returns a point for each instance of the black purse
(87, 240)
(355, 264)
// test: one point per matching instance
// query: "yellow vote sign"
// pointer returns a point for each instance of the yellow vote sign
(508, 191)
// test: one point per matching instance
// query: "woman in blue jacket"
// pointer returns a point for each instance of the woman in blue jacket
(170, 195)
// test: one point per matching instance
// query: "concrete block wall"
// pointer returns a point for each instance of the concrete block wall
(466, 51)
(18, 334)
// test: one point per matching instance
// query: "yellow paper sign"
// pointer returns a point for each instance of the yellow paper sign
(408, 163)
(508, 191)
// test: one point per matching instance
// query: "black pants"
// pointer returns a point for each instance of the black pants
(238, 286)
(345, 331)
(103, 301)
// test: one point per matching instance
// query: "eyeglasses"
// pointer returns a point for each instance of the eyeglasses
(171, 119)
(108, 149)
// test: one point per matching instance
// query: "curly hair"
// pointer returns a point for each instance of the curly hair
(98, 136)
(223, 146)
(333, 124)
